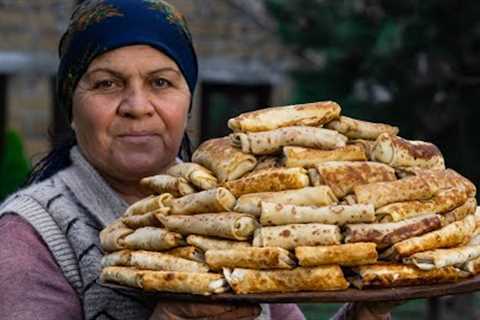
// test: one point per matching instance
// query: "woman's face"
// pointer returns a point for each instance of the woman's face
(130, 111)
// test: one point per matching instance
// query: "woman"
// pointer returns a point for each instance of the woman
(126, 79)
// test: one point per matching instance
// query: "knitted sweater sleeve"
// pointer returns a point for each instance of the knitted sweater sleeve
(32, 285)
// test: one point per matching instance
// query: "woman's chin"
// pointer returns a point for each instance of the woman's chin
(140, 165)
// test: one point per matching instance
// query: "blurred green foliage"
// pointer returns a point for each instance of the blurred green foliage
(415, 64)
(14, 166)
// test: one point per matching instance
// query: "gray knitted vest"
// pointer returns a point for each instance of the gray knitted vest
(69, 210)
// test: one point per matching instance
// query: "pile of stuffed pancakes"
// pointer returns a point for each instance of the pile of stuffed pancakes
(298, 198)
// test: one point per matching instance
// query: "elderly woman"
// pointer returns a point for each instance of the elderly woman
(126, 79)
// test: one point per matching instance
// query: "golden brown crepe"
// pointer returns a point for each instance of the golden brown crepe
(249, 257)
(206, 243)
(208, 201)
(439, 258)
(358, 129)
(308, 157)
(314, 196)
(445, 179)
(398, 152)
(149, 204)
(315, 179)
(230, 225)
(322, 278)
(194, 173)
(227, 162)
(269, 180)
(164, 183)
(343, 176)
(367, 145)
(112, 238)
(271, 142)
(281, 214)
(472, 266)
(449, 236)
(442, 202)
(294, 235)
(352, 254)
(308, 114)
(386, 234)
(117, 258)
(382, 193)
(389, 275)
(148, 219)
(149, 260)
(170, 281)
(188, 252)
(153, 239)
(266, 162)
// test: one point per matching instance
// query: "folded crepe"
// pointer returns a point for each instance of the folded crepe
(358, 129)
(472, 266)
(169, 281)
(443, 201)
(281, 214)
(398, 152)
(227, 162)
(112, 238)
(386, 234)
(366, 144)
(188, 252)
(309, 196)
(149, 204)
(164, 183)
(271, 142)
(148, 219)
(439, 258)
(352, 254)
(294, 235)
(452, 235)
(446, 179)
(194, 173)
(269, 180)
(230, 225)
(322, 278)
(389, 275)
(153, 239)
(314, 177)
(249, 257)
(149, 260)
(343, 176)
(308, 157)
(206, 243)
(382, 193)
(117, 258)
(208, 201)
(308, 114)
(266, 162)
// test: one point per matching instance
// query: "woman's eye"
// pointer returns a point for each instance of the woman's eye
(104, 84)
(160, 83)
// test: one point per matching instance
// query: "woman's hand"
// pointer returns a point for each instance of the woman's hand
(170, 310)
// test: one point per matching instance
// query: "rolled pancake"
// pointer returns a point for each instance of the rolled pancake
(271, 142)
(249, 257)
(227, 162)
(366, 144)
(382, 193)
(352, 254)
(473, 266)
(449, 236)
(148, 260)
(386, 234)
(294, 235)
(266, 162)
(281, 214)
(309, 196)
(308, 114)
(269, 180)
(398, 152)
(439, 258)
(359, 129)
(149, 204)
(343, 176)
(206, 243)
(322, 278)
(148, 219)
(194, 173)
(188, 252)
(117, 258)
(164, 183)
(442, 202)
(208, 201)
(122, 275)
(230, 225)
(308, 157)
(153, 239)
(315, 179)
(446, 179)
(112, 238)
(390, 275)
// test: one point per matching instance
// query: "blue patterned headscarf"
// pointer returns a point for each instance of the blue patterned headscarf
(98, 26)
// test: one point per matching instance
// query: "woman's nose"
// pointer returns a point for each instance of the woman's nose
(136, 104)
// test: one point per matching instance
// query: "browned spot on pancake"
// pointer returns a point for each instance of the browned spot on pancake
(422, 151)
(169, 277)
(285, 233)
